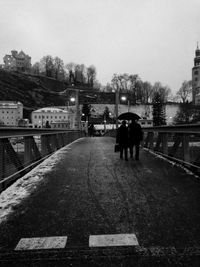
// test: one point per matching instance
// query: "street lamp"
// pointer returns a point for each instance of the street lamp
(124, 98)
(72, 99)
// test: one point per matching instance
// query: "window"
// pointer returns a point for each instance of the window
(196, 79)
(35, 116)
(196, 72)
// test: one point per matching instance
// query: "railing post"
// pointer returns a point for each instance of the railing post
(44, 150)
(185, 146)
(149, 140)
(158, 142)
(60, 141)
(164, 143)
(151, 135)
(2, 160)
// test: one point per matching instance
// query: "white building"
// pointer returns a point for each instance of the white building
(11, 113)
(56, 117)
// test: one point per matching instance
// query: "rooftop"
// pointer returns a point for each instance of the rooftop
(51, 110)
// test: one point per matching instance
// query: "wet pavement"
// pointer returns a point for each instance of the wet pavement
(91, 191)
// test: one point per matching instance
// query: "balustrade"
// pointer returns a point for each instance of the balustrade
(23, 148)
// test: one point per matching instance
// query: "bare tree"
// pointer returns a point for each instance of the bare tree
(91, 75)
(58, 67)
(47, 65)
(36, 68)
(147, 92)
(184, 93)
(164, 91)
(115, 82)
(134, 82)
(71, 71)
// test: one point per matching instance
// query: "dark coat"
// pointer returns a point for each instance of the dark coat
(122, 136)
(135, 133)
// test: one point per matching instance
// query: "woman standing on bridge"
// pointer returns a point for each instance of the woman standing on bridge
(122, 140)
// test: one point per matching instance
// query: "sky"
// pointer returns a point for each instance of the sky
(155, 39)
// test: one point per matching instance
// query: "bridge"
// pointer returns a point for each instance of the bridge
(67, 199)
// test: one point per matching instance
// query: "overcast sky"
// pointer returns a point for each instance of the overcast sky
(155, 39)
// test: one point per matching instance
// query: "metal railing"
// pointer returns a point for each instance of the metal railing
(180, 143)
(23, 148)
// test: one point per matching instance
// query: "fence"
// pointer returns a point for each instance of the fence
(180, 143)
(22, 148)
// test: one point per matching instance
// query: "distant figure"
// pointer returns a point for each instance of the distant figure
(85, 128)
(47, 125)
(122, 140)
(135, 137)
(91, 129)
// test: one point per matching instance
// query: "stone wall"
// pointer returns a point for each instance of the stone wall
(141, 110)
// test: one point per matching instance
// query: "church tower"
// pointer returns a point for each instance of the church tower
(196, 78)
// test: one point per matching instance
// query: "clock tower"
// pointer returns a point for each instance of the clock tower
(196, 78)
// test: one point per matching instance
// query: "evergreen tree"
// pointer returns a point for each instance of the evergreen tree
(187, 113)
(159, 115)
(86, 110)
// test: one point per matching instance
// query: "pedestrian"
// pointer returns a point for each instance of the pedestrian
(91, 129)
(135, 137)
(122, 140)
(85, 128)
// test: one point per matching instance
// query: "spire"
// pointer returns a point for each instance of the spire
(197, 45)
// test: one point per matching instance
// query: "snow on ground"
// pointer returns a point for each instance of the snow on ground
(172, 163)
(26, 185)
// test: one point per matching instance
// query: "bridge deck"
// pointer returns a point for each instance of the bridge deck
(90, 191)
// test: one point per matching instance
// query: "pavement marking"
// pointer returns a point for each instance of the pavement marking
(113, 240)
(42, 243)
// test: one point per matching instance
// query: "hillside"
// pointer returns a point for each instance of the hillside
(33, 91)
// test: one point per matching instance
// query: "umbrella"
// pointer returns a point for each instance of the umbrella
(128, 116)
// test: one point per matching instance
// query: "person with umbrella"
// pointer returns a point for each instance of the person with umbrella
(135, 137)
(122, 140)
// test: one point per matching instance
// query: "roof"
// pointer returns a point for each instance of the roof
(10, 104)
(51, 110)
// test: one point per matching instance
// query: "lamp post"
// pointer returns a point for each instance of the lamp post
(116, 106)
(76, 101)
(124, 98)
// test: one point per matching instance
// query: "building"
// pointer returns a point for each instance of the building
(144, 122)
(60, 125)
(55, 117)
(17, 61)
(196, 77)
(11, 113)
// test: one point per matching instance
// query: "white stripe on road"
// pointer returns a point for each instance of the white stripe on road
(113, 240)
(42, 243)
